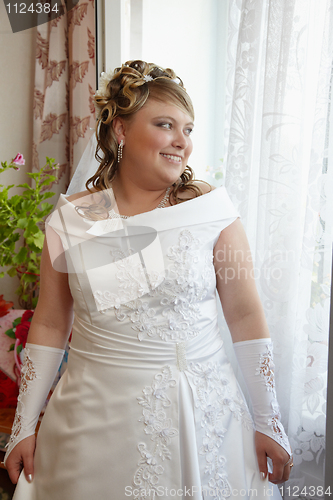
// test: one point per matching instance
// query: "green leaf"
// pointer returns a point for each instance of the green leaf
(33, 257)
(48, 181)
(10, 333)
(11, 348)
(21, 256)
(15, 200)
(19, 349)
(31, 228)
(27, 205)
(12, 272)
(22, 223)
(33, 175)
(46, 206)
(49, 194)
(30, 278)
(32, 268)
(36, 240)
(17, 321)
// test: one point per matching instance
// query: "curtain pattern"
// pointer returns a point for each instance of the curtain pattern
(65, 82)
(279, 175)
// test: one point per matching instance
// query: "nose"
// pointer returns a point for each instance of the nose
(180, 140)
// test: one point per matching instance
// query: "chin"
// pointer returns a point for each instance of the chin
(174, 178)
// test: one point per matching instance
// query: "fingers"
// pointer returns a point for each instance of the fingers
(267, 447)
(262, 463)
(14, 466)
(22, 456)
(261, 454)
(281, 467)
(286, 470)
(28, 465)
(277, 476)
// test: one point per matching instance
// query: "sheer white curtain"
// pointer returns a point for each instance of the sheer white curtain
(279, 175)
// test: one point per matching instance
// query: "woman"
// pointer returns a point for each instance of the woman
(149, 405)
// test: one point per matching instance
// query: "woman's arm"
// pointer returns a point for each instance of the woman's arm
(52, 321)
(237, 290)
(48, 335)
(245, 317)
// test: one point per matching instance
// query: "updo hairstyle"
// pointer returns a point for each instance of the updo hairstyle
(123, 94)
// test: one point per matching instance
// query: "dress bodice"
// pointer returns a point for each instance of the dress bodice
(151, 274)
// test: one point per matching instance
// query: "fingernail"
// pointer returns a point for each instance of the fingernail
(262, 476)
(29, 478)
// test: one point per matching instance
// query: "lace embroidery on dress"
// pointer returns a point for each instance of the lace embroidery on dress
(275, 424)
(215, 398)
(159, 427)
(266, 372)
(28, 375)
(266, 369)
(187, 280)
(131, 279)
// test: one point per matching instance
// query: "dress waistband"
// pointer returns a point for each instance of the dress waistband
(89, 340)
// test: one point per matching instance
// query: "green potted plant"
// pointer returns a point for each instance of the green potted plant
(22, 216)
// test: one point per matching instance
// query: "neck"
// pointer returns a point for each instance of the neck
(133, 199)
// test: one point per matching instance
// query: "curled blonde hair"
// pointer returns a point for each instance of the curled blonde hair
(124, 94)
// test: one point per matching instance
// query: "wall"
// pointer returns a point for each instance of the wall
(17, 63)
(190, 37)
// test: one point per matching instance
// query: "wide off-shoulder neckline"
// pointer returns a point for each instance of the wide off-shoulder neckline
(209, 207)
(158, 210)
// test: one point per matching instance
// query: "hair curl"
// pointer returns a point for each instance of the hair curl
(125, 93)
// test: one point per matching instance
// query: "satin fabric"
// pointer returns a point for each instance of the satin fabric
(149, 406)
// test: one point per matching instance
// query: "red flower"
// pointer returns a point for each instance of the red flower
(4, 306)
(21, 332)
(8, 391)
(27, 315)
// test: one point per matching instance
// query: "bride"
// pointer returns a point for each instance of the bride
(149, 405)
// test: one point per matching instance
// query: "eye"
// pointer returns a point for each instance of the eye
(166, 125)
(188, 131)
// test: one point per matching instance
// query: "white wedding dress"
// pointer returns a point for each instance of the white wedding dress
(149, 406)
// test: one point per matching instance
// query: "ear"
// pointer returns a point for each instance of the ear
(119, 128)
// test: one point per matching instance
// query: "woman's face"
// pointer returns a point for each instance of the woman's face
(157, 144)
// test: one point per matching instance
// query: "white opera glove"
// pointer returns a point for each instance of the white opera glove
(39, 369)
(256, 362)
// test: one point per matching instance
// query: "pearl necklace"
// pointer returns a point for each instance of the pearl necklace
(162, 203)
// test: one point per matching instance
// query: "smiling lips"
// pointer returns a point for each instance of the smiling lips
(178, 159)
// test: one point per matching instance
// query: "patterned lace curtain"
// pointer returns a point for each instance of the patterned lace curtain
(65, 82)
(279, 175)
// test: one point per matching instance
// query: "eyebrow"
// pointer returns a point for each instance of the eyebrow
(172, 119)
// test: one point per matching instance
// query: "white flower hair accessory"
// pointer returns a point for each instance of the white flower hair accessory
(148, 78)
(176, 80)
(103, 82)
